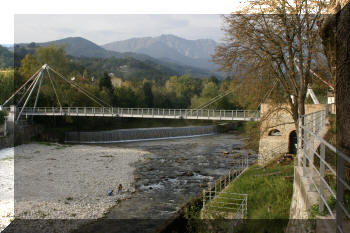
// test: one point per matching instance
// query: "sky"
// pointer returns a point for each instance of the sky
(25, 21)
(104, 28)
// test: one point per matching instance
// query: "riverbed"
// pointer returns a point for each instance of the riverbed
(6, 187)
(146, 182)
(172, 172)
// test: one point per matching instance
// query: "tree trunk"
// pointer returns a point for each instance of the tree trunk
(343, 81)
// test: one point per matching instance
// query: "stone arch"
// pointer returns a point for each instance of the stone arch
(275, 132)
(293, 140)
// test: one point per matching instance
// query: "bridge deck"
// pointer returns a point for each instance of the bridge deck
(195, 114)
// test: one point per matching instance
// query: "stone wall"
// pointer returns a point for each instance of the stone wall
(278, 118)
(2, 130)
(20, 133)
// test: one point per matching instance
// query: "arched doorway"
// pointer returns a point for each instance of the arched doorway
(293, 140)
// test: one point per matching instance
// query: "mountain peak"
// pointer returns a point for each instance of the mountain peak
(79, 46)
(170, 47)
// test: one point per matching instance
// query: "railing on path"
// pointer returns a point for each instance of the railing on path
(202, 114)
(226, 204)
(312, 126)
(216, 187)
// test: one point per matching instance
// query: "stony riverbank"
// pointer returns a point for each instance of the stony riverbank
(6, 187)
(55, 181)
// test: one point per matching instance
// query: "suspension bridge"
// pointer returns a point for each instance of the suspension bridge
(34, 83)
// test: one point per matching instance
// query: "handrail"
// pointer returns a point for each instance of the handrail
(313, 124)
(137, 112)
(234, 202)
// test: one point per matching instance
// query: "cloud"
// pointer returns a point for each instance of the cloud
(102, 29)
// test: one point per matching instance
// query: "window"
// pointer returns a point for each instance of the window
(275, 132)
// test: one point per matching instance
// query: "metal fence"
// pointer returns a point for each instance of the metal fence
(311, 127)
(145, 112)
(218, 203)
(226, 202)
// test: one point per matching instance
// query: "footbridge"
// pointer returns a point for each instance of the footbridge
(160, 113)
(34, 83)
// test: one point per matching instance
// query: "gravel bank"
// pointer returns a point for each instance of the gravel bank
(6, 187)
(56, 181)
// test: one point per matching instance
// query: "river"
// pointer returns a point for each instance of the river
(173, 172)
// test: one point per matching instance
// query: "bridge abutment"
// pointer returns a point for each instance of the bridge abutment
(277, 130)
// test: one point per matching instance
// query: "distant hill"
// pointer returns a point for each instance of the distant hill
(126, 68)
(82, 48)
(171, 48)
(6, 58)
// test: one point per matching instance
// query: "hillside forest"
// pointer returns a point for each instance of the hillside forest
(126, 82)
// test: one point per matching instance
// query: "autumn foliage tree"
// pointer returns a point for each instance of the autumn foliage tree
(277, 37)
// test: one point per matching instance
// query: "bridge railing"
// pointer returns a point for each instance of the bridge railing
(312, 126)
(149, 112)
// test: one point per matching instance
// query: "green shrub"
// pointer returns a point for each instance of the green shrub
(251, 130)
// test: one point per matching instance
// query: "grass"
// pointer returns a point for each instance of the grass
(251, 130)
(269, 196)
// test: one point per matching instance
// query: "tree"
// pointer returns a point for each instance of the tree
(283, 38)
(6, 58)
(184, 87)
(29, 65)
(147, 91)
(125, 97)
(106, 82)
(6, 85)
(55, 57)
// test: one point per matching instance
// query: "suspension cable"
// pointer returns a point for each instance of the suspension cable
(216, 98)
(37, 95)
(29, 88)
(80, 89)
(54, 89)
(267, 95)
(19, 89)
(30, 93)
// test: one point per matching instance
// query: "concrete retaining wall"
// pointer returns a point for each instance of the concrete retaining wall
(125, 135)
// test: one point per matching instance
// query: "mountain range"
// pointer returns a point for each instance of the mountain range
(171, 52)
(169, 47)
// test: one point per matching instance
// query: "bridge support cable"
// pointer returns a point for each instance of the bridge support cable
(30, 93)
(216, 98)
(19, 89)
(54, 89)
(267, 95)
(28, 90)
(93, 98)
(38, 92)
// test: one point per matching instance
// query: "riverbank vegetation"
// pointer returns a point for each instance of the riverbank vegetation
(251, 131)
(269, 192)
(114, 88)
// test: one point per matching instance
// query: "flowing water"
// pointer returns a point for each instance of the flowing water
(173, 172)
